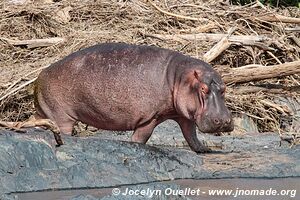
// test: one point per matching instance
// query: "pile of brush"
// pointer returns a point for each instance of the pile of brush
(255, 47)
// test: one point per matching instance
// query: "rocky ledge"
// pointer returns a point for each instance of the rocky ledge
(31, 162)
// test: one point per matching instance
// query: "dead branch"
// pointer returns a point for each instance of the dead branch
(221, 46)
(259, 4)
(240, 90)
(296, 40)
(23, 77)
(243, 39)
(176, 15)
(34, 122)
(12, 126)
(271, 54)
(296, 29)
(214, 52)
(200, 29)
(282, 109)
(258, 72)
(279, 18)
(255, 89)
(17, 89)
(34, 42)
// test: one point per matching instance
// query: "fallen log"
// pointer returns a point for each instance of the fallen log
(258, 72)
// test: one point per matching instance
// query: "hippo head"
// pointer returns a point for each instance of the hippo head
(200, 98)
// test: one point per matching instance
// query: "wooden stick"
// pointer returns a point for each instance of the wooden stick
(251, 89)
(271, 54)
(255, 89)
(176, 15)
(20, 79)
(296, 40)
(34, 42)
(280, 108)
(221, 46)
(243, 39)
(214, 52)
(17, 89)
(200, 29)
(258, 72)
(296, 29)
(33, 122)
(12, 126)
(258, 4)
(190, 5)
(279, 18)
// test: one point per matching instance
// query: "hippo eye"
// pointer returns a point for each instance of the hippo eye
(204, 88)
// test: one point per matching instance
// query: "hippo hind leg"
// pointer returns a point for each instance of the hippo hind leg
(63, 124)
(66, 127)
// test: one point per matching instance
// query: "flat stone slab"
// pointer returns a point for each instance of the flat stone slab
(181, 189)
(31, 162)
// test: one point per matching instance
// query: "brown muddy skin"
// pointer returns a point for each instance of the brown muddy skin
(122, 87)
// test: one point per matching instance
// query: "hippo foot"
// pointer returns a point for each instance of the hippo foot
(202, 149)
(59, 138)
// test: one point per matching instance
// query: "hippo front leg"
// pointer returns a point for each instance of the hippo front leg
(188, 129)
(142, 133)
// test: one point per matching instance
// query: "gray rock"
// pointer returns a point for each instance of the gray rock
(9, 197)
(167, 133)
(84, 197)
(30, 162)
(244, 124)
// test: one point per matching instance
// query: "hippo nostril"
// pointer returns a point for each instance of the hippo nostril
(216, 121)
(227, 121)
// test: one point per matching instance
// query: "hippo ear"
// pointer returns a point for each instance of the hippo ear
(196, 75)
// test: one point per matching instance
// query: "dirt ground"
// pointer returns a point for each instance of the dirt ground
(78, 24)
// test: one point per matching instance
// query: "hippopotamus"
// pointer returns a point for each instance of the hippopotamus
(121, 87)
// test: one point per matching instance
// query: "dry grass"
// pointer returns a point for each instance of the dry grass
(132, 21)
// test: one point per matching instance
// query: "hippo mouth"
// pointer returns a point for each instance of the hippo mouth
(214, 131)
(205, 125)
